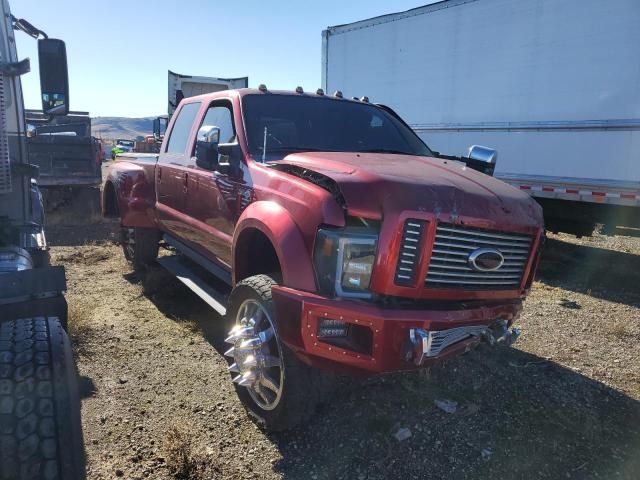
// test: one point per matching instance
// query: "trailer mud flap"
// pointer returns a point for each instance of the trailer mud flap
(32, 284)
(71, 205)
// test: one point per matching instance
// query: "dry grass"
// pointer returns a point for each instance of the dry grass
(79, 330)
(86, 257)
(618, 328)
(183, 458)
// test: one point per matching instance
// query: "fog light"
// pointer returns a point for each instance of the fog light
(328, 328)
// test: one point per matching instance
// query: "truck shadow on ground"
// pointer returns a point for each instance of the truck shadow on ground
(598, 272)
(517, 416)
(77, 232)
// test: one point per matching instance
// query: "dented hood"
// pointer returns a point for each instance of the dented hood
(376, 184)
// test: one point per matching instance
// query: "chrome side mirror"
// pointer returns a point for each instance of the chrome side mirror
(159, 127)
(482, 159)
(31, 130)
(483, 154)
(207, 141)
(209, 134)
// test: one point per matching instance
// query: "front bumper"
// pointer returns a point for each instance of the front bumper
(394, 339)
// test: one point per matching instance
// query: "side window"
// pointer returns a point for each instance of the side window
(182, 128)
(221, 116)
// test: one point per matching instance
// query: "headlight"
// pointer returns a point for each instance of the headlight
(344, 261)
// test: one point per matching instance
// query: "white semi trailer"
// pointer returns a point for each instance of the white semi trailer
(182, 86)
(553, 85)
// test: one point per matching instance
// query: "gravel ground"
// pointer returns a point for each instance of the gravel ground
(563, 403)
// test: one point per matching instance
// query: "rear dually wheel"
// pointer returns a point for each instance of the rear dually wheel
(140, 245)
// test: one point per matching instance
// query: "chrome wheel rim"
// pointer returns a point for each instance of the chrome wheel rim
(257, 355)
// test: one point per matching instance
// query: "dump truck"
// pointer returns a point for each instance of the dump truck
(68, 161)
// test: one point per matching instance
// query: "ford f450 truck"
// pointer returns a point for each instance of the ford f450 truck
(345, 243)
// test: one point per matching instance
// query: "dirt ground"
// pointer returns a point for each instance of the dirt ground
(564, 403)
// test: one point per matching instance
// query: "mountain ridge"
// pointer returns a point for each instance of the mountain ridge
(110, 128)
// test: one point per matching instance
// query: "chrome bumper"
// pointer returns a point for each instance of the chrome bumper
(424, 344)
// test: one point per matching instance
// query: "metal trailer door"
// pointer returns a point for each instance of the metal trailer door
(551, 84)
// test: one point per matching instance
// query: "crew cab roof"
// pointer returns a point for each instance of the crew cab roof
(241, 92)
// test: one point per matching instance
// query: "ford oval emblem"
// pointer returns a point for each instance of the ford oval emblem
(485, 260)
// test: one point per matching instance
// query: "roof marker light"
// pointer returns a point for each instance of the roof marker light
(355, 98)
(338, 94)
(320, 92)
(299, 90)
(364, 99)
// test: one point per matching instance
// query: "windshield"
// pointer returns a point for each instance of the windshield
(325, 124)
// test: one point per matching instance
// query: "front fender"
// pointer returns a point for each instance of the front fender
(278, 225)
(135, 194)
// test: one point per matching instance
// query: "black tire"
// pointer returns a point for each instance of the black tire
(303, 387)
(40, 428)
(140, 246)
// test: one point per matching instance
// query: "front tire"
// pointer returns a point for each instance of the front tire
(276, 388)
(40, 428)
(140, 246)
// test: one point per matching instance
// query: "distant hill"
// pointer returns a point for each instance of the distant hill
(109, 128)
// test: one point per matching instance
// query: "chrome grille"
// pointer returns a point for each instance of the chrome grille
(436, 342)
(409, 252)
(449, 267)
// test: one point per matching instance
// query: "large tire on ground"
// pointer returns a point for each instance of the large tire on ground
(40, 429)
(140, 246)
(276, 388)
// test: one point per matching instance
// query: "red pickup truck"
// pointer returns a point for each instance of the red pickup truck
(344, 243)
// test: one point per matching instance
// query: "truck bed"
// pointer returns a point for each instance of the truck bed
(64, 160)
(64, 150)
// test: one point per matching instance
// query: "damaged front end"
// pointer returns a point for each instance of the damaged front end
(423, 344)
(316, 178)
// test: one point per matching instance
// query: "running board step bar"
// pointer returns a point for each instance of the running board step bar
(184, 270)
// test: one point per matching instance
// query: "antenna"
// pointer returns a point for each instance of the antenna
(264, 145)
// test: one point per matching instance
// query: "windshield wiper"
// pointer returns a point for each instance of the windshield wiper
(387, 150)
(298, 149)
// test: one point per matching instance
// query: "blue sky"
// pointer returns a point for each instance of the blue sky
(119, 51)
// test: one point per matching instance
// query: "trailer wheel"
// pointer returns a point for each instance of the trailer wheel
(276, 388)
(140, 246)
(40, 428)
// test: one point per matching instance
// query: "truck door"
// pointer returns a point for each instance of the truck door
(172, 174)
(212, 198)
